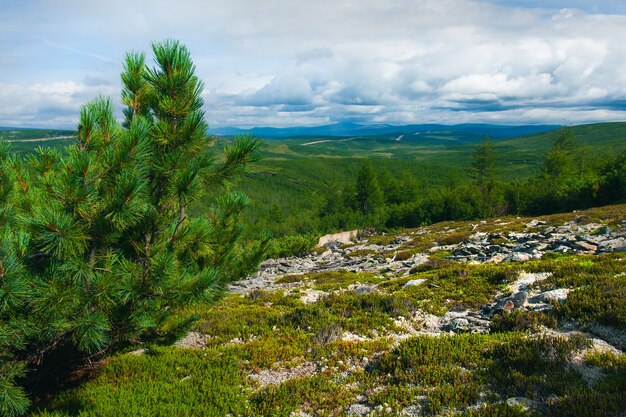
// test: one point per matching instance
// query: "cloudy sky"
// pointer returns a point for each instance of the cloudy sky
(313, 62)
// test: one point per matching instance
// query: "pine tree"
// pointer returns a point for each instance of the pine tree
(368, 194)
(103, 236)
(482, 168)
(559, 161)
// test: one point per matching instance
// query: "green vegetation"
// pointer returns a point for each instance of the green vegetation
(128, 236)
(423, 179)
(97, 245)
(464, 374)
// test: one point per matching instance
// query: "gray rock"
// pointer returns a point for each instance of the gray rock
(518, 257)
(512, 302)
(359, 410)
(412, 411)
(524, 402)
(535, 223)
(459, 324)
(414, 282)
(362, 289)
(559, 294)
(613, 245)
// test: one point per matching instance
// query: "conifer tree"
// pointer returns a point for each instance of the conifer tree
(368, 194)
(103, 237)
(559, 161)
(482, 166)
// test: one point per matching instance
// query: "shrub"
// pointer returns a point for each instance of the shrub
(521, 320)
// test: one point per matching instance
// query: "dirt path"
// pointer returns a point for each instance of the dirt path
(39, 139)
(329, 140)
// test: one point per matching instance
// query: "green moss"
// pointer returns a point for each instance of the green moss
(382, 240)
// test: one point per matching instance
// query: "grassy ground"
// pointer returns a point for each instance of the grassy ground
(304, 346)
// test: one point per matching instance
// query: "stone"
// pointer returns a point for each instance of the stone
(459, 324)
(560, 294)
(585, 246)
(362, 289)
(524, 402)
(414, 282)
(518, 257)
(535, 223)
(412, 411)
(359, 410)
(512, 302)
(613, 245)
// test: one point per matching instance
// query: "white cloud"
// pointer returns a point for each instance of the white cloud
(311, 62)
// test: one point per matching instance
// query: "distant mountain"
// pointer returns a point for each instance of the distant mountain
(355, 129)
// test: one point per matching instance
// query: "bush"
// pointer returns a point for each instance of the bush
(285, 246)
(521, 320)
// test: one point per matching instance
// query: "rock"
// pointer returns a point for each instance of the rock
(559, 294)
(193, 340)
(524, 402)
(535, 223)
(498, 258)
(359, 410)
(582, 245)
(459, 324)
(527, 278)
(518, 257)
(613, 245)
(413, 283)
(412, 411)
(512, 302)
(362, 289)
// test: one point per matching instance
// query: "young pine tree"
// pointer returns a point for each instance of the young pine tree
(104, 237)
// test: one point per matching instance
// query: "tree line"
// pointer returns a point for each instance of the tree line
(567, 181)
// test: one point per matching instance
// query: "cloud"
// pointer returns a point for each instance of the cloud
(54, 105)
(277, 62)
(285, 89)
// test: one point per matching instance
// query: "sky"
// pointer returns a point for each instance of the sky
(314, 62)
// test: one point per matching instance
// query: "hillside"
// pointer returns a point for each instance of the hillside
(468, 131)
(290, 184)
(508, 317)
